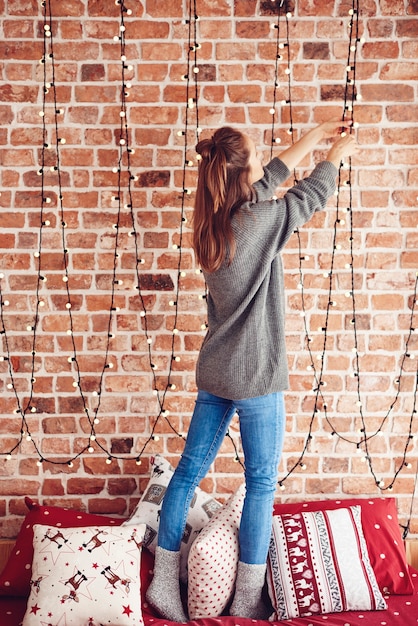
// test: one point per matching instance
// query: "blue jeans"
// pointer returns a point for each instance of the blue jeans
(262, 425)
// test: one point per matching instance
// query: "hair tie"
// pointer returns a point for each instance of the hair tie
(206, 148)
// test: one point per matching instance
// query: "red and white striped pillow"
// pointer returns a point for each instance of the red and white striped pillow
(318, 563)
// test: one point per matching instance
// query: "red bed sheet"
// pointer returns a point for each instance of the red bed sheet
(401, 611)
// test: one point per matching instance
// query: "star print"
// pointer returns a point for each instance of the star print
(127, 610)
(35, 609)
(95, 565)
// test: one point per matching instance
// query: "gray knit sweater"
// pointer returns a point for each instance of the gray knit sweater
(243, 354)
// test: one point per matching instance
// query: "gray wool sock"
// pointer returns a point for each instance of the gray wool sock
(248, 601)
(164, 591)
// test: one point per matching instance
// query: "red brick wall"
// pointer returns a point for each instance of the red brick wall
(237, 59)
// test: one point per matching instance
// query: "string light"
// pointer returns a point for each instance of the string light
(280, 46)
(125, 155)
(350, 97)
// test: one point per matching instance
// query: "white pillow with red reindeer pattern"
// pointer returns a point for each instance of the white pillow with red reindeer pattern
(86, 576)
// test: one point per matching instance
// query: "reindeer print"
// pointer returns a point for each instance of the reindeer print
(293, 537)
(157, 471)
(301, 583)
(299, 567)
(93, 580)
(58, 538)
(138, 544)
(113, 579)
(297, 552)
(75, 582)
(307, 600)
(95, 542)
(36, 584)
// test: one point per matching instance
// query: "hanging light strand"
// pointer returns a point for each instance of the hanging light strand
(125, 154)
(344, 182)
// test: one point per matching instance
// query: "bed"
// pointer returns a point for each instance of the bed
(49, 574)
(402, 611)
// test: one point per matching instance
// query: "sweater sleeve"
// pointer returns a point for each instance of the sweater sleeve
(282, 216)
(275, 173)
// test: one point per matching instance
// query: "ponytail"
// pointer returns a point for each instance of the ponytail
(222, 187)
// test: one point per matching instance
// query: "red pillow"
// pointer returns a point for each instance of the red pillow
(379, 519)
(15, 578)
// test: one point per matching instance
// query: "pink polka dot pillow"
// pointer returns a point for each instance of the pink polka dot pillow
(213, 560)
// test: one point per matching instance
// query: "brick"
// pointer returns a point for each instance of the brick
(71, 30)
(101, 30)
(86, 93)
(122, 486)
(153, 72)
(403, 136)
(252, 30)
(21, 50)
(384, 240)
(399, 71)
(244, 93)
(106, 506)
(151, 52)
(18, 487)
(409, 50)
(148, 29)
(318, 7)
(92, 71)
(21, 29)
(384, 92)
(52, 487)
(407, 28)
(80, 486)
(173, 9)
(24, 157)
(380, 50)
(409, 259)
(380, 27)
(406, 156)
(387, 178)
(392, 8)
(334, 92)
(316, 50)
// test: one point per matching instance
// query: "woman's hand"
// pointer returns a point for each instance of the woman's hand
(344, 147)
(293, 156)
(333, 127)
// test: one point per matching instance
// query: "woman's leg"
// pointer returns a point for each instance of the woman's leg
(262, 424)
(208, 427)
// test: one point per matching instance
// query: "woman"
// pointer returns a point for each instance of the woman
(239, 231)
